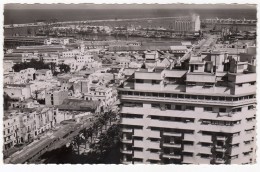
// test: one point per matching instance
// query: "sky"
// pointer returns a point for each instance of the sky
(132, 6)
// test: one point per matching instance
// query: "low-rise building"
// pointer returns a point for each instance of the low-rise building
(43, 74)
(70, 108)
(18, 91)
(26, 124)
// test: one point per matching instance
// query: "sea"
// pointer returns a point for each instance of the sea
(19, 16)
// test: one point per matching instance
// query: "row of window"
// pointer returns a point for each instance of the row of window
(131, 116)
(218, 122)
(187, 96)
(205, 85)
(173, 119)
(182, 107)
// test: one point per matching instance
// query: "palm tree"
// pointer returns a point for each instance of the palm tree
(78, 140)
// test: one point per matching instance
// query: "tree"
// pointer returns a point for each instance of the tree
(7, 100)
(52, 67)
(32, 64)
(64, 68)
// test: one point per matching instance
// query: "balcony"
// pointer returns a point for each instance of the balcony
(204, 138)
(188, 148)
(235, 151)
(243, 90)
(126, 151)
(138, 154)
(221, 128)
(129, 141)
(193, 77)
(189, 137)
(221, 138)
(174, 134)
(172, 145)
(154, 156)
(188, 160)
(154, 134)
(138, 132)
(179, 125)
(220, 161)
(237, 139)
(131, 121)
(173, 156)
(148, 87)
(203, 160)
(247, 136)
(248, 147)
(8, 141)
(148, 75)
(242, 78)
(127, 130)
(220, 149)
(138, 143)
(154, 145)
(126, 162)
(205, 150)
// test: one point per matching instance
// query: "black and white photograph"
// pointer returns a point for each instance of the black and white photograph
(129, 84)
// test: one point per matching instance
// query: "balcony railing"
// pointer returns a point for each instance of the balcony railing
(138, 154)
(235, 151)
(221, 138)
(188, 160)
(131, 121)
(221, 128)
(126, 141)
(127, 130)
(189, 137)
(205, 149)
(154, 156)
(189, 148)
(205, 160)
(126, 162)
(182, 125)
(220, 160)
(154, 134)
(126, 151)
(138, 143)
(174, 156)
(173, 145)
(154, 145)
(172, 134)
(138, 132)
(221, 149)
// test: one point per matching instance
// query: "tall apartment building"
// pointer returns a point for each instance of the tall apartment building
(187, 24)
(203, 115)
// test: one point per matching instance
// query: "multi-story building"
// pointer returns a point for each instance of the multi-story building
(25, 124)
(8, 66)
(18, 91)
(203, 115)
(187, 24)
(50, 58)
(21, 77)
(11, 131)
(102, 94)
(55, 97)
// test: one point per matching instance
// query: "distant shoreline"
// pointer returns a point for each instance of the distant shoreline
(84, 21)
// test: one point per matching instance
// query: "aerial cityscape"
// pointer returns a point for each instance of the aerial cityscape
(129, 84)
